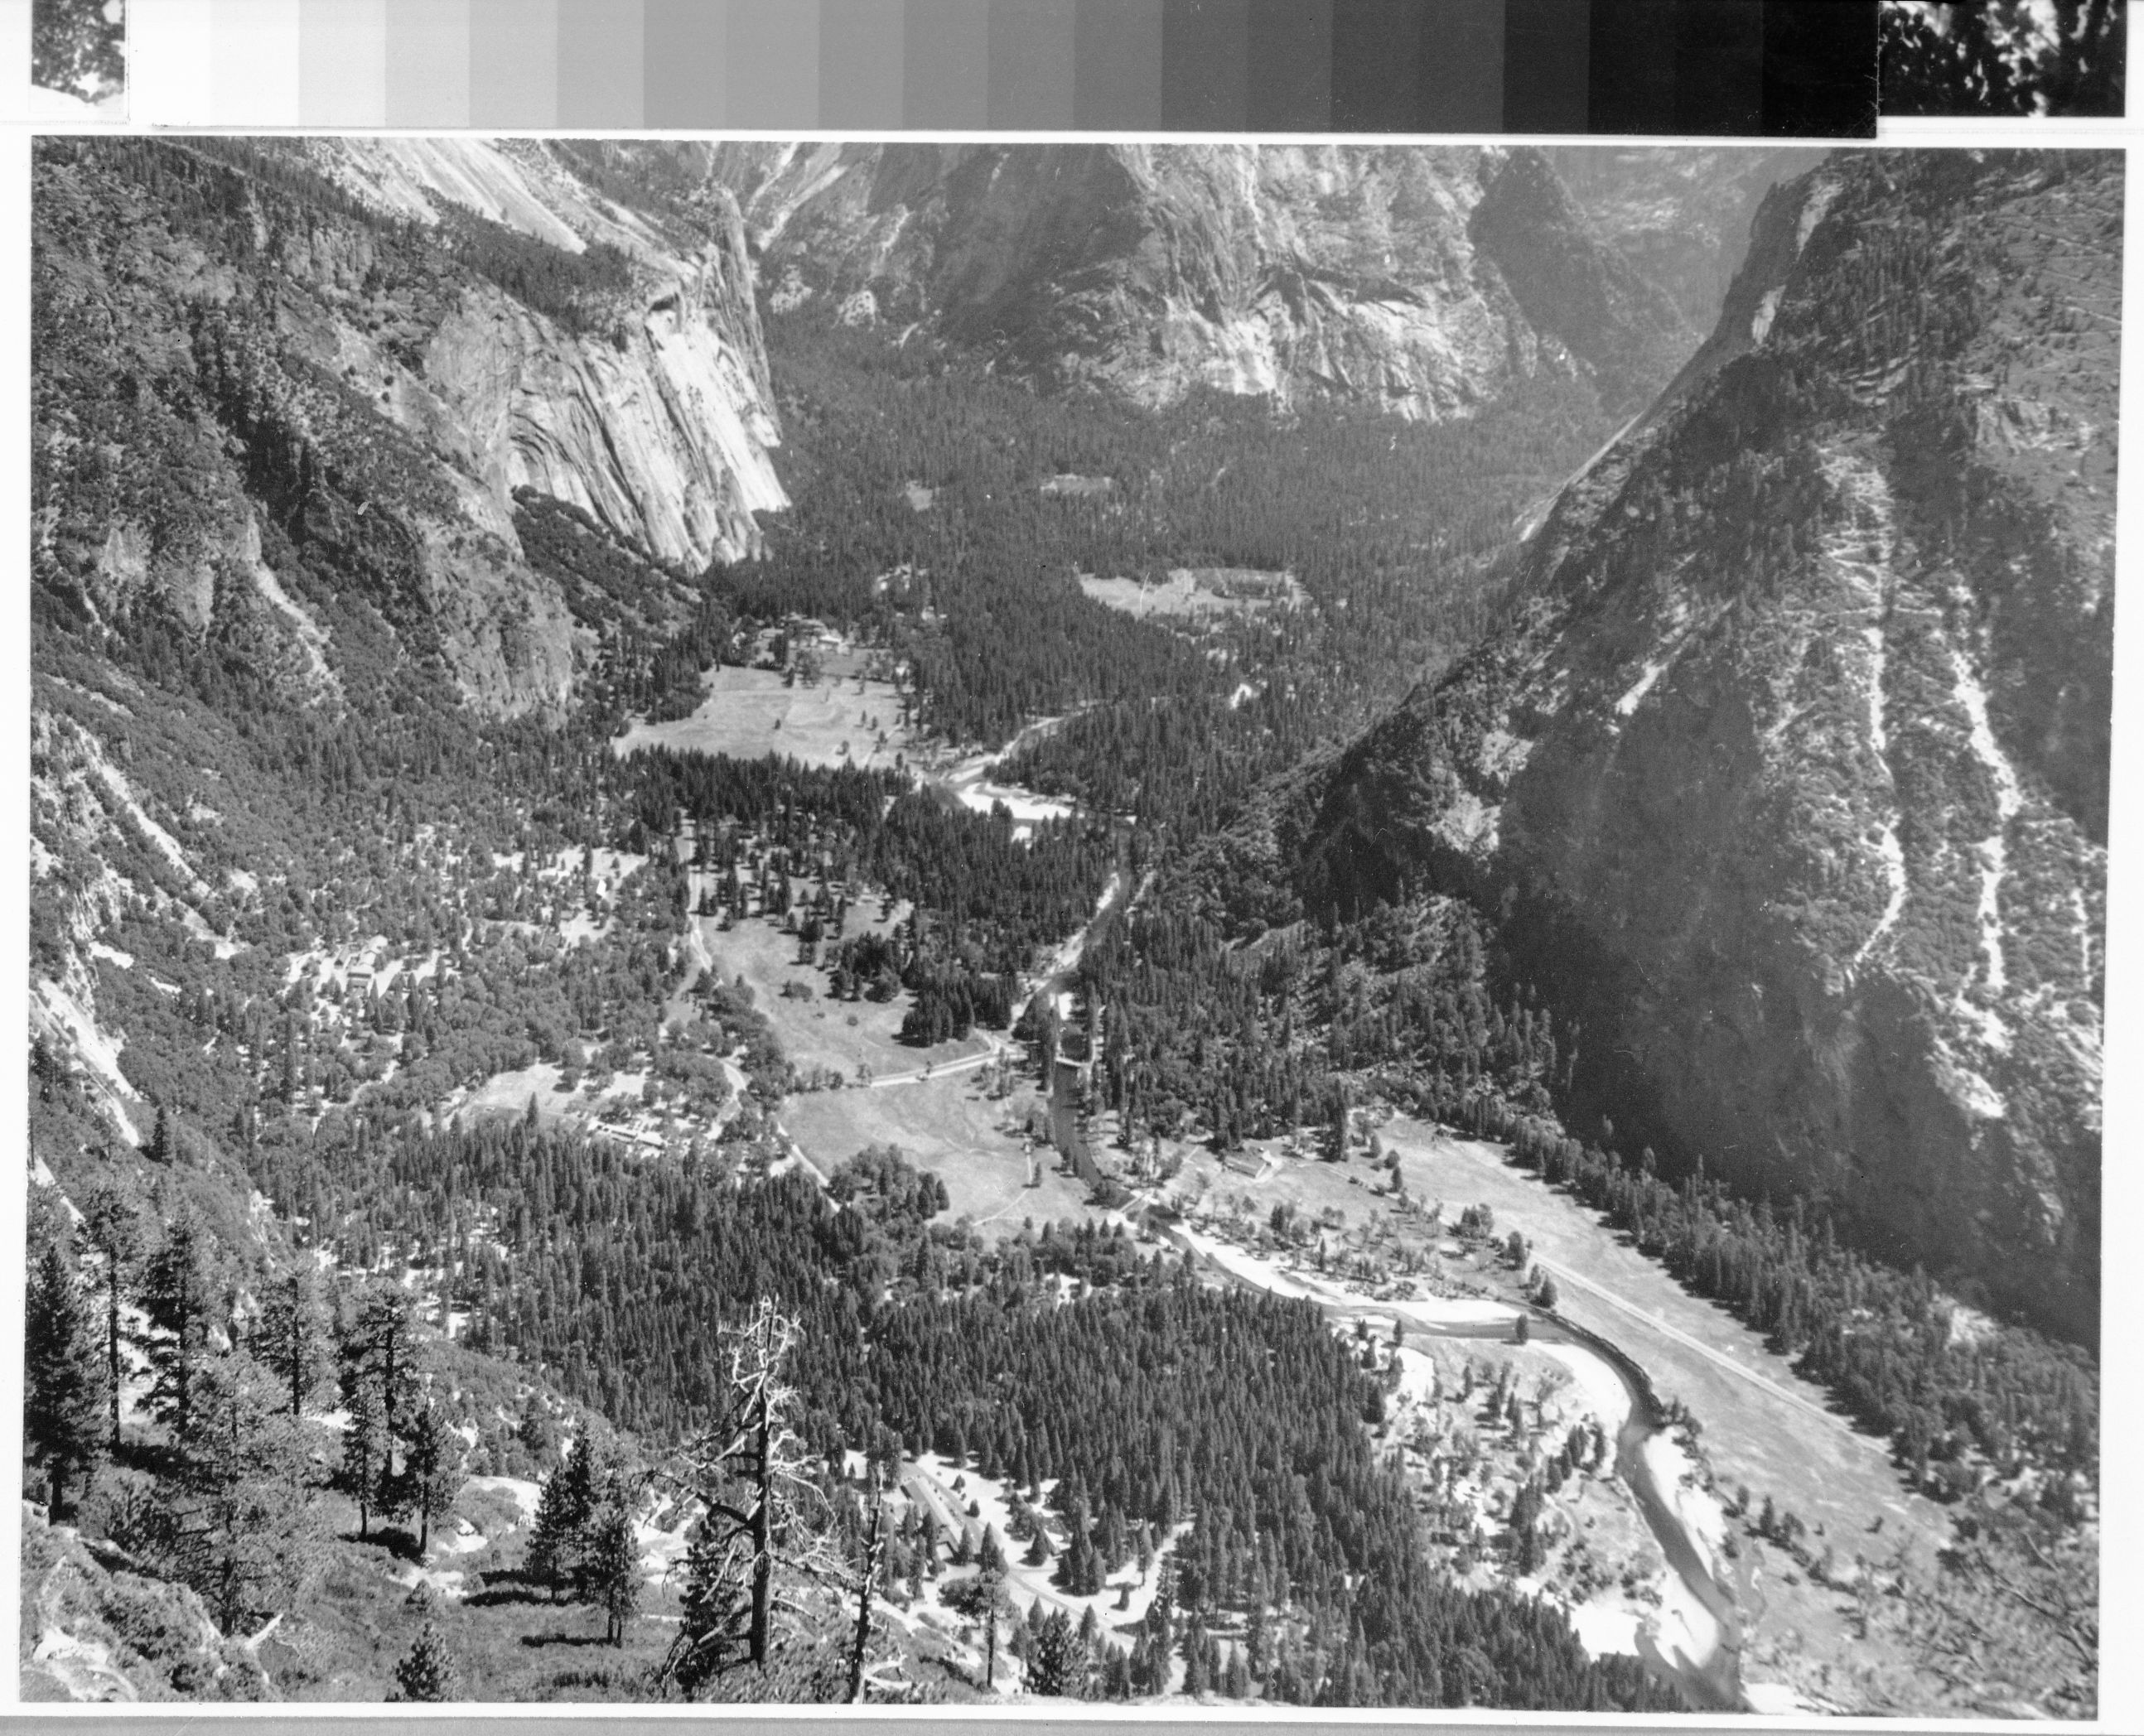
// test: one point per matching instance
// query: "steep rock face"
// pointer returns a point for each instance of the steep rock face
(1626, 328)
(1789, 782)
(347, 341)
(664, 433)
(1296, 271)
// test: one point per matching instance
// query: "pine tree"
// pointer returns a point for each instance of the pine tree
(63, 1385)
(535, 1431)
(114, 1231)
(363, 1453)
(753, 1473)
(244, 1495)
(292, 1336)
(432, 1476)
(990, 1585)
(380, 1347)
(1057, 1660)
(427, 1672)
(1196, 1679)
(866, 1588)
(177, 1287)
(611, 1575)
(558, 1538)
(1257, 1642)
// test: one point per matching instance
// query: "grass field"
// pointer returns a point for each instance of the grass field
(1192, 592)
(748, 714)
(946, 1123)
(821, 1032)
(1825, 1470)
(950, 1127)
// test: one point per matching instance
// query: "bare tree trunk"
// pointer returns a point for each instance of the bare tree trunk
(763, 1517)
(873, 1546)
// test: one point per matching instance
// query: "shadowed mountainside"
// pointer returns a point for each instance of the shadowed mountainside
(1787, 776)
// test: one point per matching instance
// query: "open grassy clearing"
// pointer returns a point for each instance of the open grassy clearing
(1193, 593)
(509, 1094)
(749, 713)
(823, 1032)
(950, 1127)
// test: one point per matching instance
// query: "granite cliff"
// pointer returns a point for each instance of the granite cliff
(1427, 281)
(394, 338)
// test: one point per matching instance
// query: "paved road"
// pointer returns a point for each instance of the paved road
(1810, 1407)
(938, 1069)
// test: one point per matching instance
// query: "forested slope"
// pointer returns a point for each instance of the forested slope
(1786, 779)
(375, 487)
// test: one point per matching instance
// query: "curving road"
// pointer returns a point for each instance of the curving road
(1807, 1407)
(1742, 1370)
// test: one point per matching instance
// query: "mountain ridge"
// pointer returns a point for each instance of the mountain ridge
(1787, 772)
(1429, 282)
(358, 362)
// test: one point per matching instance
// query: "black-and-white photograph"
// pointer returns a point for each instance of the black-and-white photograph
(1995, 59)
(1199, 926)
(77, 61)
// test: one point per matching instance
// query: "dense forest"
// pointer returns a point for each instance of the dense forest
(1392, 529)
(1232, 1041)
(1151, 1401)
(364, 914)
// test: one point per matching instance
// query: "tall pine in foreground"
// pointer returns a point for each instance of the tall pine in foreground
(364, 1455)
(177, 1288)
(292, 1336)
(611, 1572)
(114, 1230)
(760, 1534)
(558, 1538)
(433, 1475)
(63, 1410)
(247, 1532)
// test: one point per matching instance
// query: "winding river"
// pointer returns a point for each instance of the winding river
(1695, 1640)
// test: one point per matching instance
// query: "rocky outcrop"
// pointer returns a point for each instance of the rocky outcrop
(362, 372)
(1625, 329)
(1787, 781)
(94, 1629)
(664, 433)
(1296, 272)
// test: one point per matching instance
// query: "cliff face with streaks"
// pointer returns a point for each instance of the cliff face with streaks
(1424, 281)
(1788, 783)
(368, 347)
